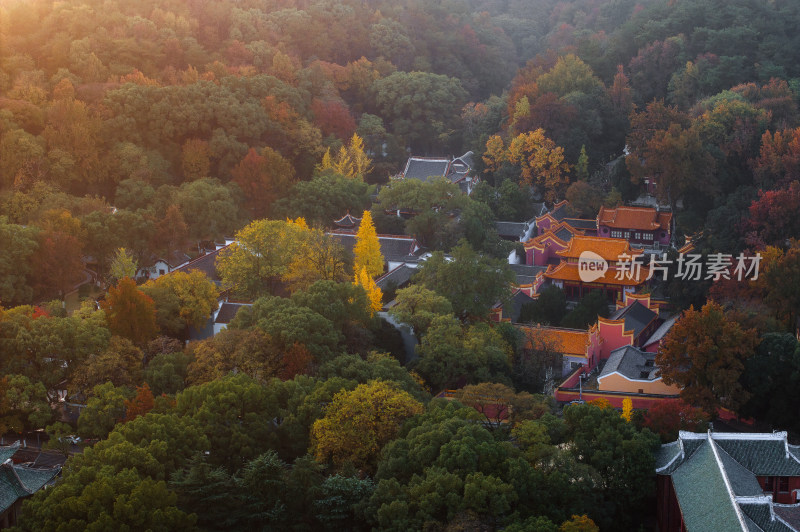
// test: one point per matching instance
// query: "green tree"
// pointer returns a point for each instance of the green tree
(17, 244)
(104, 409)
(417, 306)
(120, 364)
(195, 294)
(471, 282)
(26, 404)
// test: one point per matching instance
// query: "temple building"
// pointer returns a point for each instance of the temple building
(728, 481)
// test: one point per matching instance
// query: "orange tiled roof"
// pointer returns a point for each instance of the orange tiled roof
(641, 218)
(567, 341)
(569, 272)
(608, 248)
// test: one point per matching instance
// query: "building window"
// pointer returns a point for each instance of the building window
(637, 236)
(769, 484)
(627, 234)
(616, 234)
(161, 272)
(648, 236)
(783, 484)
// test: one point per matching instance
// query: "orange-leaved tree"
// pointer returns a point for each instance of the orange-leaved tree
(704, 354)
(130, 312)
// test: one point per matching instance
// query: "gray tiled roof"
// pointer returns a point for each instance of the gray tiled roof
(525, 274)
(511, 229)
(580, 223)
(513, 308)
(702, 494)
(764, 457)
(743, 482)
(206, 264)
(636, 316)
(422, 168)
(17, 482)
(227, 311)
(560, 212)
(8, 452)
(760, 516)
(398, 277)
(564, 234)
(662, 330)
(392, 247)
(632, 363)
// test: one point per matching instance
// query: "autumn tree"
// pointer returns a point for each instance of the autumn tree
(195, 159)
(182, 300)
(263, 177)
(358, 424)
(367, 248)
(141, 404)
(374, 293)
(771, 219)
(666, 418)
(120, 364)
(319, 257)
(704, 354)
(782, 282)
(130, 312)
(57, 264)
(122, 265)
(350, 161)
(171, 233)
(261, 255)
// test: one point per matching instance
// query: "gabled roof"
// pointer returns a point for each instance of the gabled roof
(662, 330)
(559, 211)
(8, 451)
(511, 229)
(704, 495)
(608, 248)
(227, 311)
(716, 484)
(348, 221)
(206, 264)
(631, 363)
(580, 223)
(17, 482)
(641, 218)
(424, 167)
(636, 317)
(526, 274)
(513, 308)
(398, 277)
(393, 247)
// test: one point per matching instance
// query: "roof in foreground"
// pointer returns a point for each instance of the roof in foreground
(715, 479)
(636, 317)
(17, 482)
(632, 363)
(567, 341)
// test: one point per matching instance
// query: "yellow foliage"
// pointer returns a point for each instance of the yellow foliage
(627, 409)
(374, 293)
(358, 423)
(495, 154)
(600, 402)
(367, 249)
(541, 161)
(350, 161)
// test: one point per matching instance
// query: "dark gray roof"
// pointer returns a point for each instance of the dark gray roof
(513, 308)
(17, 482)
(227, 311)
(511, 229)
(560, 212)
(743, 482)
(397, 277)
(564, 234)
(764, 457)
(580, 223)
(8, 451)
(760, 516)
(525, 274)
(790, 514)
(394, 248)
(632, 363)
(422, 168)
(206, 264)
(662, 330)
(702, 493)
(348, 221)
(636, 316)
(468, 159)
